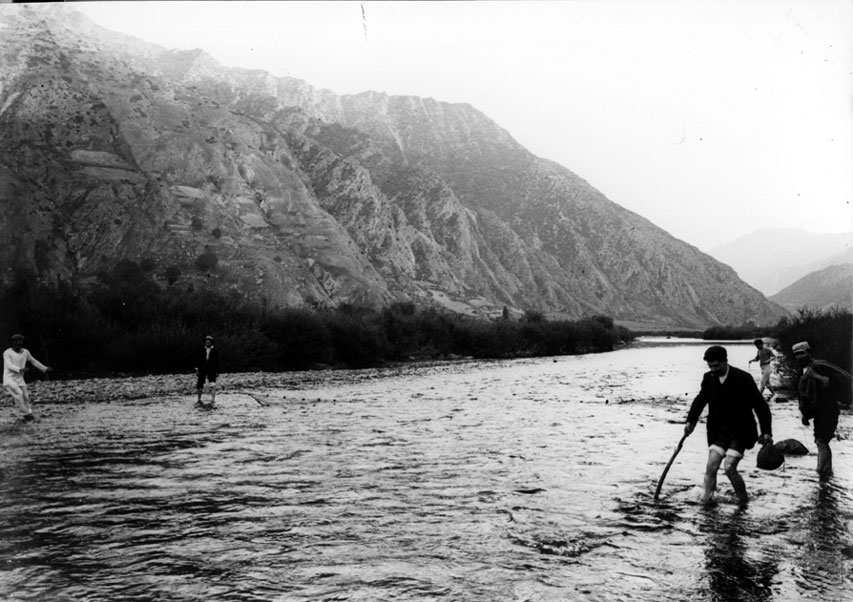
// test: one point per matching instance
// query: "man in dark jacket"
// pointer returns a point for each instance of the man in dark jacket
(822, 386)
(731, 396)
(207, 367)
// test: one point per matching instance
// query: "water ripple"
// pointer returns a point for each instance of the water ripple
(519, 480)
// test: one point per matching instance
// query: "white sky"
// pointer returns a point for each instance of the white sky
(712, 119)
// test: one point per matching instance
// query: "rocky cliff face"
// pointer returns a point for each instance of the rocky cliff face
(111, 148)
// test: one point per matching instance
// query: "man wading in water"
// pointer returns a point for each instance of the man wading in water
(731, 396)
(821, 387)
(207, 367)
(15, 361)
(764, 357)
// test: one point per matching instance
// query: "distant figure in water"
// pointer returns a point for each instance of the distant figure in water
(821, 387)
(207, 368)
(764, 357)
(15, 360)
(731, 396)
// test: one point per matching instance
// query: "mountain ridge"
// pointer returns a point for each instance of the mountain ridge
(305, 197)
(821, 290)
(772, 258)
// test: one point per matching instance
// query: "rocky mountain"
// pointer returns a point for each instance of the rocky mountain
(112, 148)
(824, 289)
(772, 258)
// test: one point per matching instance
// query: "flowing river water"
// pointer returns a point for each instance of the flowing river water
(484, 481)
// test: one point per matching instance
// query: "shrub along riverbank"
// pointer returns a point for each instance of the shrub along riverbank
(127, 324)
(829, 332)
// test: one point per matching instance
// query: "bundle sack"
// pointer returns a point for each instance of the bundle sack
(769, 458)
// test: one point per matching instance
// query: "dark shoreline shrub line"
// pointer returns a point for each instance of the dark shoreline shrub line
(127, 324)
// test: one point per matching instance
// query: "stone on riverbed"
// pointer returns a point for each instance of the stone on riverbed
(791, 447)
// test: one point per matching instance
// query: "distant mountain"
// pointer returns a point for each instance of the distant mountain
(112, 148)
(827, 288)
(772, 258)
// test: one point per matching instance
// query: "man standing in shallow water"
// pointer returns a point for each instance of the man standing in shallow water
(207, 367)
(821, 387)
(15, 361)
(731, 396)
(764, 357)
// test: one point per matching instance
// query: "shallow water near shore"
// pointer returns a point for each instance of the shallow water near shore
(514, 480)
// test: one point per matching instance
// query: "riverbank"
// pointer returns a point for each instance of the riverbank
(118, 388)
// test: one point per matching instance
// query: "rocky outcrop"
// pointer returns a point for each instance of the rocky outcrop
(115, 149)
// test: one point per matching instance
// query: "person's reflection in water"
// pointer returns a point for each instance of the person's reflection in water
(821, 559)
(732, 575)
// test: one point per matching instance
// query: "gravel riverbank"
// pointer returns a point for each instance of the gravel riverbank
(173, 385)
(164, 385)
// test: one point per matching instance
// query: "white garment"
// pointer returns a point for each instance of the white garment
(14, 364)
(723, 377)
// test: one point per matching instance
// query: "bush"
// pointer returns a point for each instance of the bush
(735, 333)
(207, 262)
(137, 327)
(172, 274)
(829, 333)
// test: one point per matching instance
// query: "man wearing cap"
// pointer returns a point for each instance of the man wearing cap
(819, 390)
(15, 360)
(731, 396)
(207, 367)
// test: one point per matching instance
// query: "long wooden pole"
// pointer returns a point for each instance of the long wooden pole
(668, 464)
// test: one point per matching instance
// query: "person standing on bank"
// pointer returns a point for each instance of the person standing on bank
(821, 387)
(764, 357)
(731, 396)
(15, 360)
(207, 368)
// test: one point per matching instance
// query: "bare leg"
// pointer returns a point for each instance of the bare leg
(714, 460)
(21, 398)
(824, 458)
(736, 480)
(212, 393)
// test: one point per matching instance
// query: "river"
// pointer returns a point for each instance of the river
(475, 481)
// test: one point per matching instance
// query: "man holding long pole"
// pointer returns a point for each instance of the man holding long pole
(731, 396)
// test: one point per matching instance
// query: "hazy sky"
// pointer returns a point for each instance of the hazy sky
(712, 119)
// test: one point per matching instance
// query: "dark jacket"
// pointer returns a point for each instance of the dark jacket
(819, 399)
(730, 407)
(208, 364)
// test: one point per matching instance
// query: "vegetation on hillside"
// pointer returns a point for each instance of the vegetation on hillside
(128, 324)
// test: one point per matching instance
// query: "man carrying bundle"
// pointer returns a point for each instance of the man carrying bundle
(822, 387)
(731, 396)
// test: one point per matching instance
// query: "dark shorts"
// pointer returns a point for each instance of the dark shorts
(202, 375)
(727, 446)
(824, 426)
